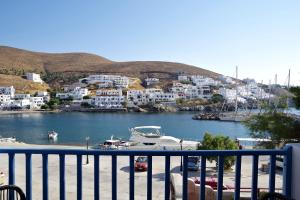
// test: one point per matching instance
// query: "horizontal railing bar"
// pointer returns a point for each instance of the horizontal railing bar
(146, 152)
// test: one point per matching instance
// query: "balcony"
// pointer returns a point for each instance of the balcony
(65, 174)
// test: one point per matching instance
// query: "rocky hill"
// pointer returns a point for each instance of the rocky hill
(61, 68)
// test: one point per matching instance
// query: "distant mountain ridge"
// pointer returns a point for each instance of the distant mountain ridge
(18, 61)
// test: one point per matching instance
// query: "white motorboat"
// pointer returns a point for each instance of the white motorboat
(114, 144)
(151, 135)
(52, 135)
(9, 139)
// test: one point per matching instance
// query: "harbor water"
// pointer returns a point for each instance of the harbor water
(73, 128)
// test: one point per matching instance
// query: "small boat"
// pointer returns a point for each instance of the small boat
(52, 135)
(114, 144)
(9, 139)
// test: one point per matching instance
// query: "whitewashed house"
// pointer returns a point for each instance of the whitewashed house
(34, 77)
(108, 84)
(44, 94)
(22, 96)
(21, 103)
(5, 99)
(151, 81)
(136, 98)
(204, 81)
(108, 99)
(77, 94)
(148, 96)
(118, 81)
(188, 91)
(183, 78)
(8, 91)
(36, 102)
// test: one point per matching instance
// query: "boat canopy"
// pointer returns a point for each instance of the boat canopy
(147, 127)
(254, 139)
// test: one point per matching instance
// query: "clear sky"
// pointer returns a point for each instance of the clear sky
(262, 37)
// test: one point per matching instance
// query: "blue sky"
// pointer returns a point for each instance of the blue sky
(262, 37)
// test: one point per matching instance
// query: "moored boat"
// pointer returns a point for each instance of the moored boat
(52, 135)
(151, 135)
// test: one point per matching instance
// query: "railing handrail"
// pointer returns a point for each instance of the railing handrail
(266, 152)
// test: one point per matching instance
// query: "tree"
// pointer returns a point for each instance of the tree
(280, 127)
(296, 98)
(219, 142)
(216, 98)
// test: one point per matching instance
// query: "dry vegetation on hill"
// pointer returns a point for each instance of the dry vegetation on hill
(63, 68)
(22, 85)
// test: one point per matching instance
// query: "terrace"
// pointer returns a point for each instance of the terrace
(36, 163)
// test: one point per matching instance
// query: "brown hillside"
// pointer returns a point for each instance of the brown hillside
(17, 61)
(22, 85)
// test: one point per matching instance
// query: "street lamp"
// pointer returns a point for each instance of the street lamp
(87, 148)
(180, 142)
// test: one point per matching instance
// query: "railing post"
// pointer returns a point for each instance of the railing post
(28, 177)
(272, 173)
(149, 178)
(96, 178)
(287, 171)
(254, 177)
(114, 177)
(62, 177)
(79, 177)
(45, 176)
(11, 170)
(237, 177)
(131, 178)
(185, 178)
(220, 177)
(167, 177)
(203, 177)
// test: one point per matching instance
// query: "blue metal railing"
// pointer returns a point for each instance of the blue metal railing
(286, 152)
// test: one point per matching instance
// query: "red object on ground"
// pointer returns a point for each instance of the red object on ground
(141, 164)
(212, 183)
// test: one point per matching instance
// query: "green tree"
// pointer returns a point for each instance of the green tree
(280, 127)
(219, 142)
(217, 98)
(296, 98)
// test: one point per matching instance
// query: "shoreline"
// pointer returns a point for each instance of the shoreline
(7, 112)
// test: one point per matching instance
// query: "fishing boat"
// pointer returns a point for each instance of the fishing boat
(114, 144)
(151, 135)
(52, 135)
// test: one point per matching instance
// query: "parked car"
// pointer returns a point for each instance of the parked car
(279, 162)
(141, 163)
(193, 163)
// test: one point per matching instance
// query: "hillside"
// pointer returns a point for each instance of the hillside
(17, 61)
(22, 85)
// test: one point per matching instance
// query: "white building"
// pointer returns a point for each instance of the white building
(34, 77)
(4, 99)
(118, 81)
(109, 92)
(22, 96)
(8, 91)
(204, 81)
(108, 84)
(36, 102)
(183, 78)
(188, 91)
(21, 103)
(77, 94)
(151, 81)
(148, 96)
(108, 99)
(44, 94)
